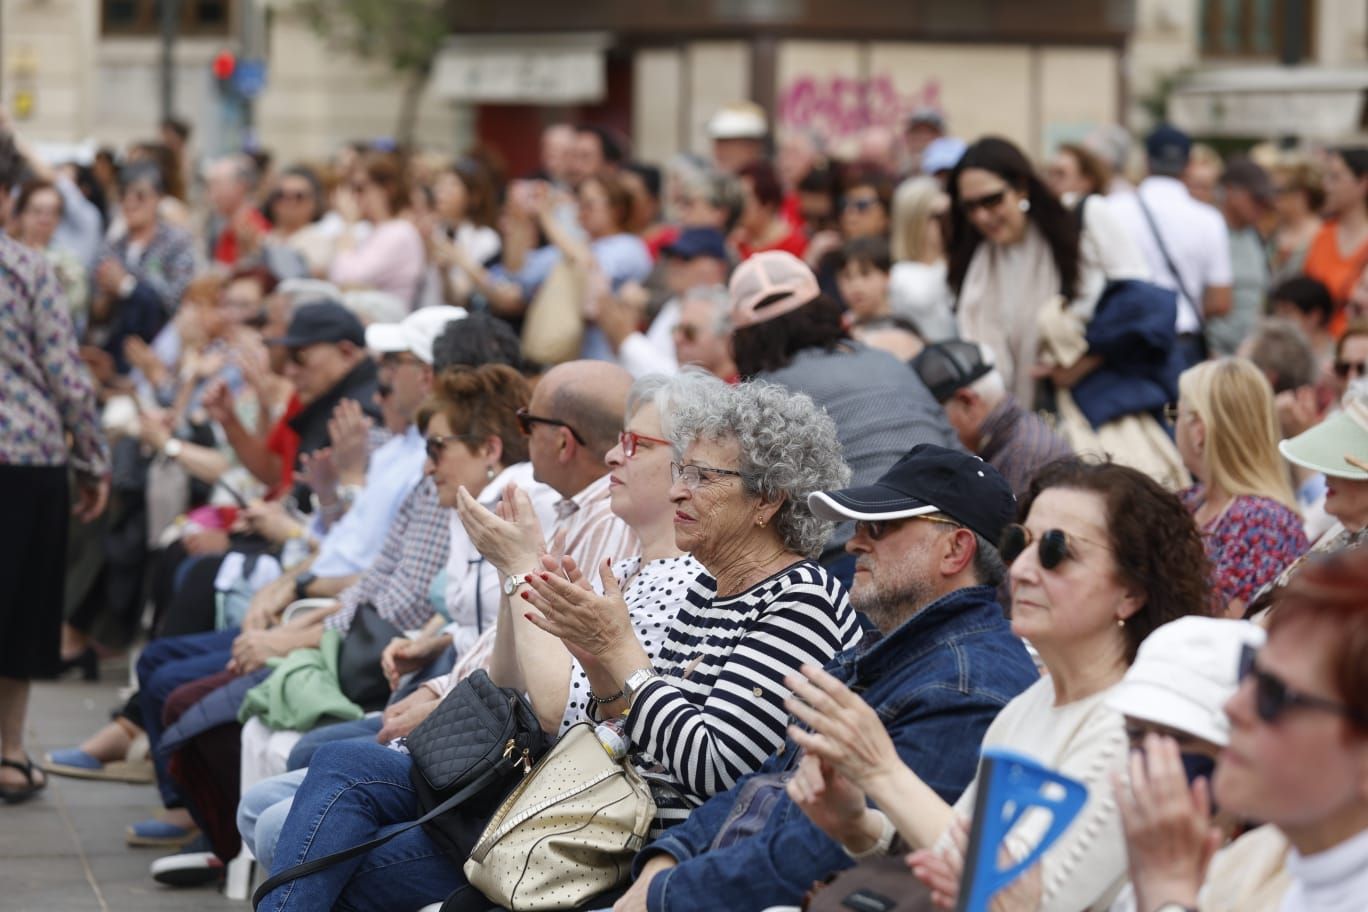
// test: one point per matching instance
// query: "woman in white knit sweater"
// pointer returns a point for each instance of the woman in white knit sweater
(1104, 556)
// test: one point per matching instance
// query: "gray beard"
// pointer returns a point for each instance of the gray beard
(889, 607)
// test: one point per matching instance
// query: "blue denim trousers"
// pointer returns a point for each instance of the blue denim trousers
(164, 665)
(354, 792)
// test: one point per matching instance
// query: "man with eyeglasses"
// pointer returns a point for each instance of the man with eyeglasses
(946, 663)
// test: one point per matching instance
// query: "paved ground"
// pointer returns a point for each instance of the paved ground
(64, 850)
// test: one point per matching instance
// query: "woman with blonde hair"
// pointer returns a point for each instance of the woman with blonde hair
(917, 285)
(1227, 434)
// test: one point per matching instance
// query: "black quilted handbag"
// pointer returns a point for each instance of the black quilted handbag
(467, 756)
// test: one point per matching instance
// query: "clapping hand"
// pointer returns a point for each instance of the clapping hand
(1169, 836)
(828, 799)
(941, 869)
(845, 731)
(592, 626)
(349, 431)
(320, 473)
(512, 539)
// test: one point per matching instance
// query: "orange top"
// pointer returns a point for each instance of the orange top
(1336, 272)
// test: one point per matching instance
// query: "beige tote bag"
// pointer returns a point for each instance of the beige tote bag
(567, 833)
(553, 332)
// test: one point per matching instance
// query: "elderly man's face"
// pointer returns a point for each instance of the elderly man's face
(731, 155)
(894, 572)
(315, 369)
(226, 192)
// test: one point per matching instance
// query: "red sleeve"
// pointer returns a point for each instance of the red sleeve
(284, 442)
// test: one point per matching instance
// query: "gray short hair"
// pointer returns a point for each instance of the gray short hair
(989, 567)
(687, 391)
(716, 297)
(788, 449)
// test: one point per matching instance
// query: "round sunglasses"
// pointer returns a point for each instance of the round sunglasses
(1052, 549)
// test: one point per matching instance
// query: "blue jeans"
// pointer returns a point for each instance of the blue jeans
(262, 811)
(354, 792)
(164, 665)
(356, 730)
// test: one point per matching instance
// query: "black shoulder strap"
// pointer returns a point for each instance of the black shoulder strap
(318, 864)
(1168, 260)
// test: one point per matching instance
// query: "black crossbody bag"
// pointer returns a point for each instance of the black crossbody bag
(467, 756)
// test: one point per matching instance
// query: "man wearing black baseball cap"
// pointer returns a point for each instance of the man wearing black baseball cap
(987, 418)
(327, 363)
(946, 663)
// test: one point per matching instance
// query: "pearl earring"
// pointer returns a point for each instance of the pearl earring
(1120, 622)
(489, 473)
(1024, 205)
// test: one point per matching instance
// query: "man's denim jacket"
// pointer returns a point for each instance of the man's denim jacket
(936, 681)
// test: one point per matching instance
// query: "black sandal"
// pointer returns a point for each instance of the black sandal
(23, 793)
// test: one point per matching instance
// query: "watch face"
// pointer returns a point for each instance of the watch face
(510, 585)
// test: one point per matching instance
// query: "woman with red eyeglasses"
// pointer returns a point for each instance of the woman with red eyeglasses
(1102, 557)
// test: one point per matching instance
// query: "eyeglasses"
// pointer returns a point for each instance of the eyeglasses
(985, 202)
(1272, 696)
(686, 332)
(694, 476)
(630, 440)
(1052, 550)
(876, 529)
(526, 419)
(859, 203)
(1345, 369)
(436, 446)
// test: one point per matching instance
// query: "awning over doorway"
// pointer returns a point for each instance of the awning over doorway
(566, 68)
(1272, 101)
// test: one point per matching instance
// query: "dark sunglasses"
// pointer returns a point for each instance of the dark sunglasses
(631, 440)
(436, 446)
(988, 201)
(1345, 369)
(876, 529)
(1272, 696)
(297, 354)
(859, 203)
(1052, 550)
(526, 419)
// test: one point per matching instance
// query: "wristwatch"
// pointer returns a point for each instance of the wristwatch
(637, 680)
(172, 448)
(302, 584)
(511, 583)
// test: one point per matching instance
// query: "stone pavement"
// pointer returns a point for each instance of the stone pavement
(64, 850)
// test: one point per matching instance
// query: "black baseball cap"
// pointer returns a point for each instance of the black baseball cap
(945, 367)
(929, 479)
(322, 321)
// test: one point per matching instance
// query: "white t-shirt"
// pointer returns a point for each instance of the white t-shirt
(1195, 237)
(920, 292)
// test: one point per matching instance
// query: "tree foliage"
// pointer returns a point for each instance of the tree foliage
(406, 35)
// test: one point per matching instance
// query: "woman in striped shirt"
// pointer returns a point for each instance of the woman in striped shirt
(710, 709)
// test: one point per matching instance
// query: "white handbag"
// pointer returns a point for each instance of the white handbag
(567, 832)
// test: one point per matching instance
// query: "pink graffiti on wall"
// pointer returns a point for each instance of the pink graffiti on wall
(840, 107)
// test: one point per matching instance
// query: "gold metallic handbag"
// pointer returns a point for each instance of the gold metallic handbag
(567, 832)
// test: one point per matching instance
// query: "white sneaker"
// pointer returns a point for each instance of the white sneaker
(190, 869)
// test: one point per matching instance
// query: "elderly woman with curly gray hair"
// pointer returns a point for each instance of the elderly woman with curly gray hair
(711, 708)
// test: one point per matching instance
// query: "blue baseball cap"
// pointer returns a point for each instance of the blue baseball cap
(1168, 147)
(322, 321)
(698, 242)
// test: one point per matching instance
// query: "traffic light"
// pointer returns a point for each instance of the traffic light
(225, 63)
